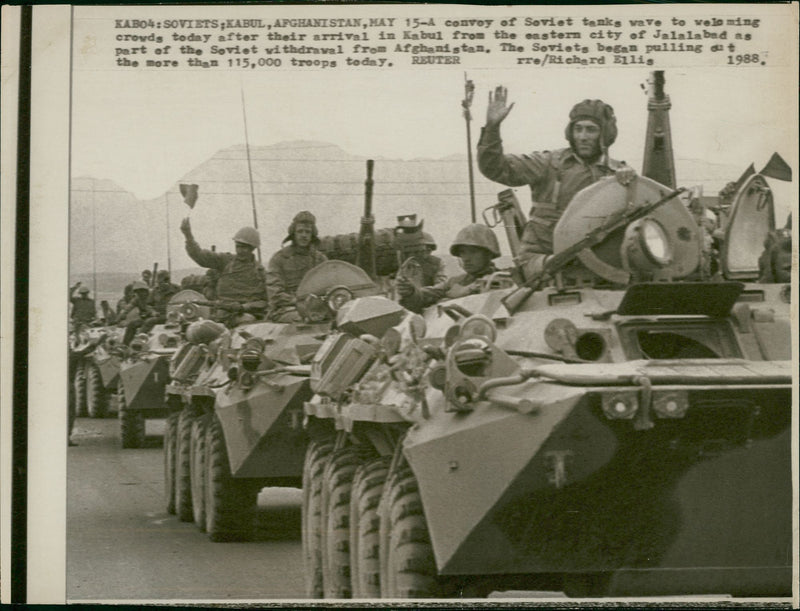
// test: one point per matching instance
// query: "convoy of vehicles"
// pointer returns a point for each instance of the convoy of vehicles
(616, 424)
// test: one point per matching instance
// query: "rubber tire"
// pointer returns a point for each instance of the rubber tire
(183, 487)
(230, 503)
(96, 396)
(317, 454)
(79, 388)
(337, 482)
(411, 567)
(131, 423)
(368, 483)
(197, 475)
(170, 432)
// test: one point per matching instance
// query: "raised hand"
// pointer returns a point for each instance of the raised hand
(186, 227)
(498, 108)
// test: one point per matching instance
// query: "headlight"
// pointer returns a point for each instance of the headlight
(646, 247)
(338, 297)
(655, 242)
(189, 312)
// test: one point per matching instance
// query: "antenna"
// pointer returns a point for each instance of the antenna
(466, 103)
(250, 170)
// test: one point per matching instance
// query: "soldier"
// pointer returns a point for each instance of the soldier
(476, 246)
(775, 262)
(415, 247)
(241, 278)
(140, 301)
(147, 277)
(555, 176)
(159, 298)
(288, 266)
(83, 309)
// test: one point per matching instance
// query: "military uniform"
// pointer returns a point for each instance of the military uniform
(554, 178)
(450, 288)
(285, 270)
(240, 279)
(83, 309)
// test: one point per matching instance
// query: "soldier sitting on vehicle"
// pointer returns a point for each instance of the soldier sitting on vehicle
(141, 302)
(159, 298)
(414, 248)
(83, 308)
(241, 283)
(287, 267)
(555, 176)
(476, 246)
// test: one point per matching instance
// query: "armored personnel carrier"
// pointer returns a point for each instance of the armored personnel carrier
(236, 394)
(236, 398)
(144, 370)
(96, 376)
(618, 424)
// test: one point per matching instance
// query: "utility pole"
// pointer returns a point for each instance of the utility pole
(250, 170)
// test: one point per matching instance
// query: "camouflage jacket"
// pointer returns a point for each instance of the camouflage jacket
(554, 178)
(285, 270)
(240, 279)
(451, 288)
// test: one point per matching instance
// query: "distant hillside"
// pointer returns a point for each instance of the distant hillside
(131, 234)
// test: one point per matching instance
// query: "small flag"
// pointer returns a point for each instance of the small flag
(189, 193)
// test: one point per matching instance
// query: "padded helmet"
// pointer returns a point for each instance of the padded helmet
(139, 286)
(476, 235)
(249, 236)
(599, 112)
(84, 290)
(163, 274)
(428, 240)
(303, 217)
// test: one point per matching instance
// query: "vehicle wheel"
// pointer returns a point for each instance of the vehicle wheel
(169, 462)
(368, 483)
(197, 474)
(230, 503)
(311, 515)
(337, 482)
(131, 423)
(79, 387)
(410, 565)
(183, 487)
(96, 397)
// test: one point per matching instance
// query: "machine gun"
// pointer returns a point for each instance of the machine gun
(365, 258)
(553, 264)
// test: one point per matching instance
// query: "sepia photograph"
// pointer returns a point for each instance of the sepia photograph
(445, 302)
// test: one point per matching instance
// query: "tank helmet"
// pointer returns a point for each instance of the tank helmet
(248, 236)
(304, 217)
(476, 235)
(599, 112)
(429, 241)
(139, 286)
(84, 290)
(163, 275)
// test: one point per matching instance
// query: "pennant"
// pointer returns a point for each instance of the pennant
(189, 193)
